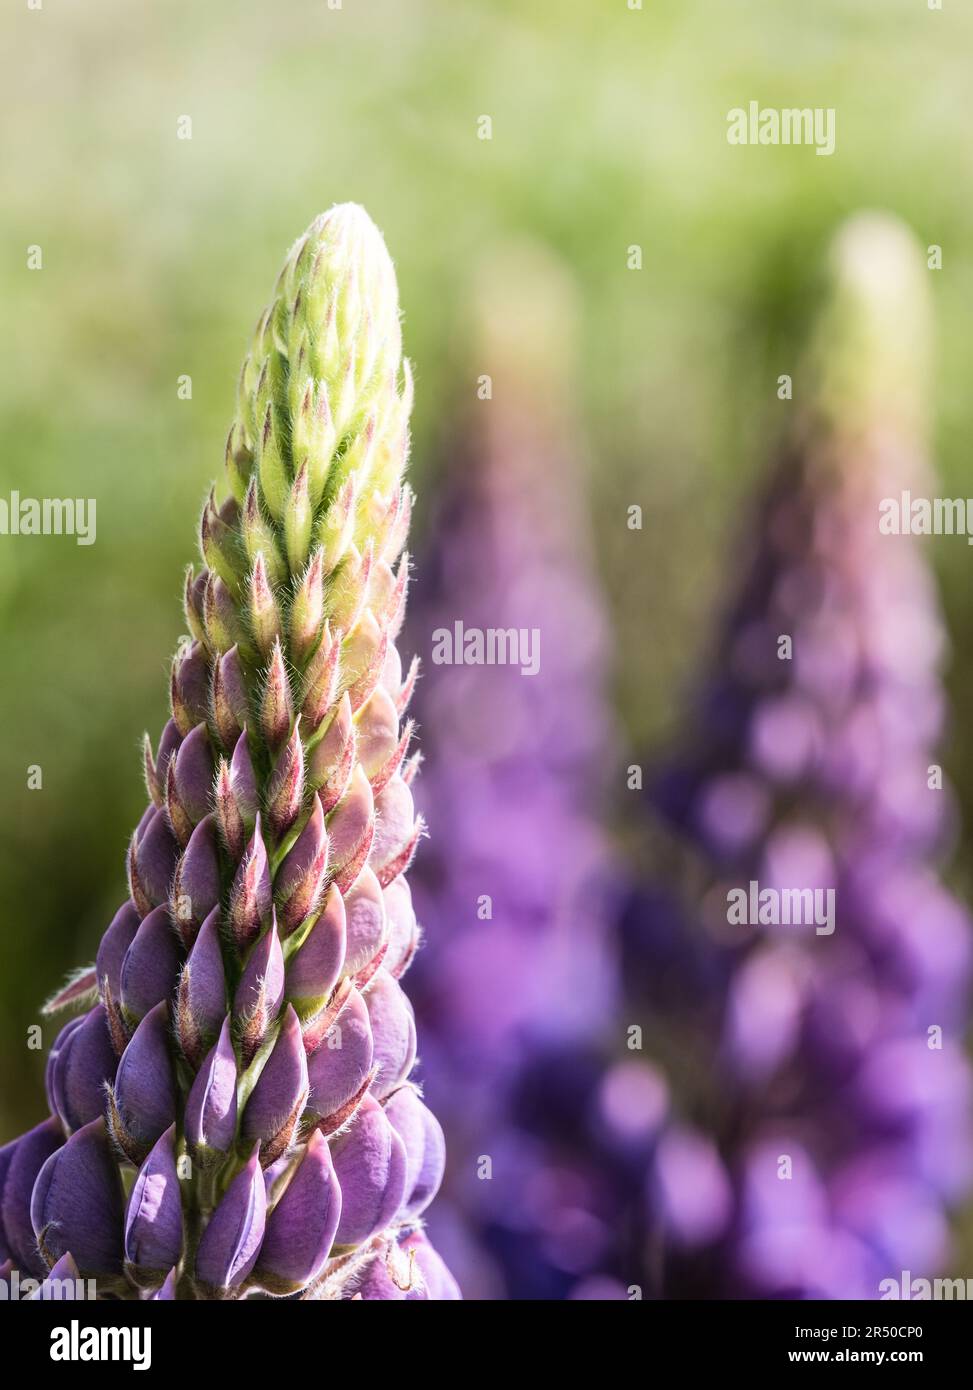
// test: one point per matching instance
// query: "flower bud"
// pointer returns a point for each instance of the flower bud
(149, 970)
(142, 1103)
(259, 539)
(151, 863)
(307, 611)
(153, 1223)
(301, 877)
(367, 925)
(298, 517)
(201, 1003)
(276, 707)
(89, 1227)
(230, 709)
(340, 1066)
(277, 1100)
(331, 759)
(189, 687)
(262, 608)
(196, 886)
(393, 1034)
(250, 896)
(285, 791)
(231, 1241)
(211, 1108)
(371, 1166)
(316, 968)
(301, 1227)
(260, 993)
(425, 1147)
(351, 829)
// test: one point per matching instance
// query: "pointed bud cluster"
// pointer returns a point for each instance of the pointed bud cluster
(246, 1036)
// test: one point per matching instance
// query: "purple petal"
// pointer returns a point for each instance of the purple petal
(77, 1203)
(231, 1242)
(80, 1066)
(370, 1163)
(196, 889)
(281, 1090)
(393, 1033)
(150, 967)
(366, 923)
(118, 936)
(425, 1147)
(316, 968)
(20, 1162)
(340, 1065)
(145, 1092)
(301, 1228)
(211, 1108)
(194, 773)
(202, 988)
(153, 1226)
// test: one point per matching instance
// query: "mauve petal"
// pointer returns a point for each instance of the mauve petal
(20, 1162)
(77, 1203)
(153, 1226)
(402, 928)
(264, 967)
(425, 1147)
(393, 1033)
(366, 924)
(317, 966)
(301, 1228)
(231, 1242)
(156, 857)
(196, 890)
(337, 1070)
(80, 1068)
(370, 1163)
(151, 964)
(119, 935)
(281, 1087)
(204, 978)
(194, 773)
(211, 1108)
(145, 1090)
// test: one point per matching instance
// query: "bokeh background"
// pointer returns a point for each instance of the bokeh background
(608, 130)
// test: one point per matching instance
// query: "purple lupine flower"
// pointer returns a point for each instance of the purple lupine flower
(805, 1119)
(514, 885)
(243, 1070)
(837, 1094)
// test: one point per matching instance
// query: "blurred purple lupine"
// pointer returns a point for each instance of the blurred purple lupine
(234, 1114)
(804, 1123)
(513, 884)
(837, 1089)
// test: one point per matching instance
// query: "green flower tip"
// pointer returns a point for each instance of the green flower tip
(871, 352)
(324, 395)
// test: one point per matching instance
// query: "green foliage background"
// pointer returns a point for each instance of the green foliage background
(158, 253)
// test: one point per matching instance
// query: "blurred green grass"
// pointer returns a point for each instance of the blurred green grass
(609, 130)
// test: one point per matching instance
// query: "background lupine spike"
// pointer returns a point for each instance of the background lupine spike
(514, 760)
(821, 1132)
(240, 868)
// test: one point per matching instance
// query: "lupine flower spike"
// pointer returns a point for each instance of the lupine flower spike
(233, 1116)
